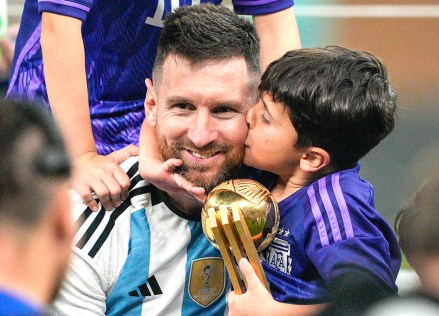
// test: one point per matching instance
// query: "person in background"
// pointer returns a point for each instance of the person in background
(417, 224)
(35, 219)
(87, 60)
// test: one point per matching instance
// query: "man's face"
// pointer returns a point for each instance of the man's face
(200, 116)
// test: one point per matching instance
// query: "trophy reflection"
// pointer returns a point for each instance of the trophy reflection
(241, 218)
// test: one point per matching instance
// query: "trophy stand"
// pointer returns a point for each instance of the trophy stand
(235, 242)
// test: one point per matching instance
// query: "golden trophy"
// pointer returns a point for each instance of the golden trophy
(240, 217)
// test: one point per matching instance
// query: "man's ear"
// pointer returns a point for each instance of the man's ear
(150, 103)
(315, 159)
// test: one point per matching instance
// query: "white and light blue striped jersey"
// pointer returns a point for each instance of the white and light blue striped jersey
(144, 258)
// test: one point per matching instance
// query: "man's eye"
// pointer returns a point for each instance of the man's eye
(223, 109)
(182, 106)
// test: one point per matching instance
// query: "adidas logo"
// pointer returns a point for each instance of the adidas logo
(147, 289)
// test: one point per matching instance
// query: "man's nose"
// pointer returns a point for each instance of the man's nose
(203, 130)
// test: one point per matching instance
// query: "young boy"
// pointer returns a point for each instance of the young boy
(321, 110)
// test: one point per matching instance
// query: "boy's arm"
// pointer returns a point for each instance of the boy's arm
(160, 173)
(258, 301)
(64, 70)
(278, 33)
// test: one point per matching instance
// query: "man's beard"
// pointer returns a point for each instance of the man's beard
(196, 173)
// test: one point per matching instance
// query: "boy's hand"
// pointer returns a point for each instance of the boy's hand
(103, 176)
(256, 301)
(164, 178)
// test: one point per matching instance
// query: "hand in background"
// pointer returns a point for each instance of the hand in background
(103, 176)
(7, 46)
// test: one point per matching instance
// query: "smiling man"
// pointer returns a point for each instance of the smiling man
(150, 256)
(201, 120)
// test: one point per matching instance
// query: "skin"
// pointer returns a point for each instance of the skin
(278, 33)
(64, 62)
(271, 138)
(269, 128)
(258, 301)
(207, 113)
(270, 146)
(64, 70)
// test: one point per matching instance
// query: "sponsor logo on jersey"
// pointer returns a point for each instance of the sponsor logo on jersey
(150, 288)
(206, 280)
(278, 256)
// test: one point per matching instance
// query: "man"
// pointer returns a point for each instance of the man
(150, 255)
(35, 219)
(86, 60)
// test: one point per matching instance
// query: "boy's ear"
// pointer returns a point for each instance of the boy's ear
(314, 159)
(150, 103)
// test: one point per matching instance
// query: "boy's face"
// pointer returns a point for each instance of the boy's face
(271, 138)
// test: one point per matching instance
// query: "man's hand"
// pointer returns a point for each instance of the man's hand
(162, 175)
(103, 176)
(256, 301)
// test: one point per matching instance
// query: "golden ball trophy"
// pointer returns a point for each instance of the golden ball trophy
(240, 217)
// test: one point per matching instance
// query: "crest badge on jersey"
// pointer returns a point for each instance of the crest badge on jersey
(278, 256)
(207, 280)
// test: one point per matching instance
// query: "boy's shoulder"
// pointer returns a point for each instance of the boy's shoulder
(337, 198)
(346, 182)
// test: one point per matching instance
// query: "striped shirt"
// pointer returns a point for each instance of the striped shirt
(328, 228)
(144, 258)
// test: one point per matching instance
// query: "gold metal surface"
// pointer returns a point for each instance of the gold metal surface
(238, 216)
(256, 203)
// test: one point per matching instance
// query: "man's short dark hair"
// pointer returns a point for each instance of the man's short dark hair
(338, 99)
(207, 32)
(33, 159)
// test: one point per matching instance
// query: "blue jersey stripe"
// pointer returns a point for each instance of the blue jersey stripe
(199, 247)
(135, 271)
(330, 212)
(68, 4)
(317, 213)
(335, 179)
